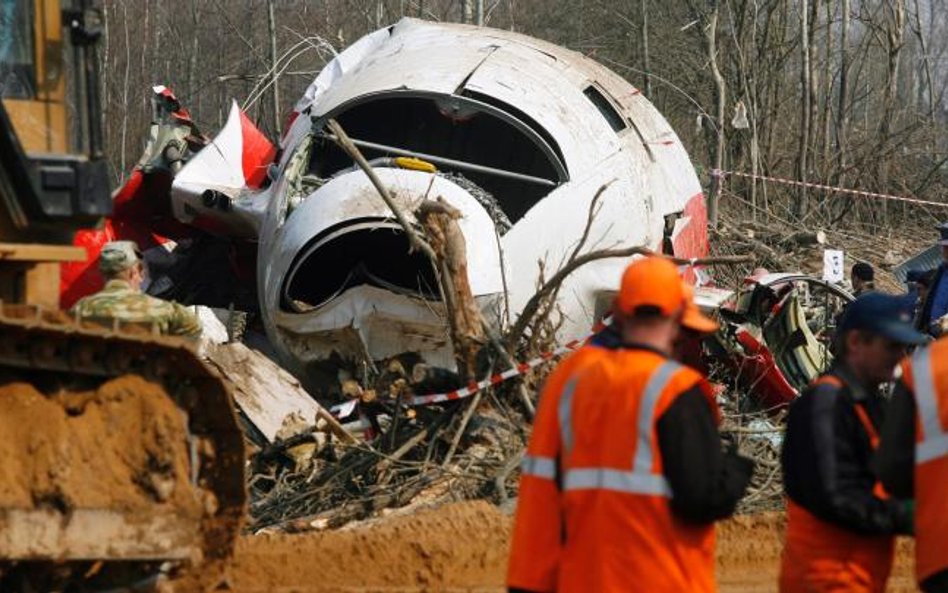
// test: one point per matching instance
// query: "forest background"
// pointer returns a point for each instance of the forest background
(847, 93)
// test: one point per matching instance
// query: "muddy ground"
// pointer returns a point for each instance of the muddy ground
(463, 547)
(54, 452)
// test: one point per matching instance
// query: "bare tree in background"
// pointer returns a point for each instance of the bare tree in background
(836, 91)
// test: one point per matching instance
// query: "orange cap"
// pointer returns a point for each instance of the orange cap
(693, 318)
(651, 282)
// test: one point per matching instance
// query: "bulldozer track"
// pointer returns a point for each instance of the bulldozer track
(40, 347)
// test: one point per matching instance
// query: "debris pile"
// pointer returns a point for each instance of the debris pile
(460, 450)
(758, 434)
(778, 244)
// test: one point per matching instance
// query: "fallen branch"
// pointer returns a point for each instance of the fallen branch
(530, 309)
(345, 143)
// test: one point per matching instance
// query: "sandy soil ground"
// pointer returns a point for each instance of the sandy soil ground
(463, 547)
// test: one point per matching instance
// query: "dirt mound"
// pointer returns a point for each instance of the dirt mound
(119, 447)
(463, 547)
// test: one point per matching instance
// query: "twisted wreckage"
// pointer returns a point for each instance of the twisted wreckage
(536, 149)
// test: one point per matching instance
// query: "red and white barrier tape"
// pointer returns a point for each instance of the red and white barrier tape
(520, 369)
(855, 192)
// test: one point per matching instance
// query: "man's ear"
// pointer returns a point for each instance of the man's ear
(856, 336)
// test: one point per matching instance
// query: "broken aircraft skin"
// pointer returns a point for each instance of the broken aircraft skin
(522, 133)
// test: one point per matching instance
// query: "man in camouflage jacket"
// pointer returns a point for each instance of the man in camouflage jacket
(121, 265)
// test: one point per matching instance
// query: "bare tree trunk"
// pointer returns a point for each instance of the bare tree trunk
(895, 27)
(828, 91)
(842, 111)
(814, 21)
(773, 89)
(804, 137)
(274, 81)
(753, 108)
(720, 99)
(105, 71)
(927, 66)
(645, 58)
(440, 221)
(195, 48)
(479, 13)
(125, 82)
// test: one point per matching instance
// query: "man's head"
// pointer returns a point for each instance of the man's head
(873, 335)
(862, 275)
(921, 280)
(652, 305)
(943, 239)
(694, 327)
(121, 260)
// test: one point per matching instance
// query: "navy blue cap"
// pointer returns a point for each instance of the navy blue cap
(887, 315)
(943, 231)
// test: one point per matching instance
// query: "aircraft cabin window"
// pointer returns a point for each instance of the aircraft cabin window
(605, 107)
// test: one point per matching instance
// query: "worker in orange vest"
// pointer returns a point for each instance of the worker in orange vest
(913, 457)
(841, 524)
(624, 474)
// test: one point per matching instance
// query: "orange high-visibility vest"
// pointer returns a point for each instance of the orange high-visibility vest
(537, 531)
(819, 557)
(596, 451)
(927, 376)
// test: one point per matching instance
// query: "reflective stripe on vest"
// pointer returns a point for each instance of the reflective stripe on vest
(934, 443)
(538, 467)
(565, 413)
(640, 480)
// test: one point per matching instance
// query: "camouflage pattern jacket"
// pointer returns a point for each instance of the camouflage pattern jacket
(118, 300)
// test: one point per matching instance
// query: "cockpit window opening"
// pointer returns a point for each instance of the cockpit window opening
(510, 158)
(609, 112)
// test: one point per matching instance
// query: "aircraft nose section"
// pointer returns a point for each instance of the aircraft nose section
(344, 235)
(351, 285)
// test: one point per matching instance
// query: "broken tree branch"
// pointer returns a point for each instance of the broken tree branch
(471, 407)
(440, 222)
(345, 143)
(594, 208)
(530, 309)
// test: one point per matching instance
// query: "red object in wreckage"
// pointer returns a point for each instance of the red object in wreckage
(758, 370)
(142, 212)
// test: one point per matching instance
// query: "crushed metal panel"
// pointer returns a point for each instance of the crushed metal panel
(369, 320)
(219, 168)
(928, 259)
(550, 92)
(712, 298)
(265, 393)
(417, 56)
(340, 65)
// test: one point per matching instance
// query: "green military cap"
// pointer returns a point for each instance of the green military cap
(117, 256)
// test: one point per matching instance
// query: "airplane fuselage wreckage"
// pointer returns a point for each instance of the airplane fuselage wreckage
(516, 134)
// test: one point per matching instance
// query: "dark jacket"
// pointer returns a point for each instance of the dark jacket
(827, 459)
(924, 317)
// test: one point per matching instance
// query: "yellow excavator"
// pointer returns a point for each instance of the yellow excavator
(121, 460)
